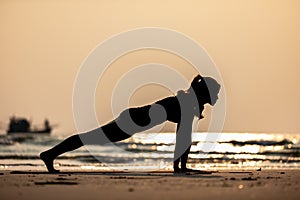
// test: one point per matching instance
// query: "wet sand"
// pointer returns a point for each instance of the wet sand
(231, 184)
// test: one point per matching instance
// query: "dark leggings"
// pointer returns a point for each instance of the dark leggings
(130, 121)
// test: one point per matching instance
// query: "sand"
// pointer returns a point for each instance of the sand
(233, 184)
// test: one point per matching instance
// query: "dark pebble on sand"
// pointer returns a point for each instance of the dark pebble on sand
(61, 179)
(55, 183)
(130, 189)
(118, 177)
(269, 177)
(249, 179)
(232, 178)
(282, 172)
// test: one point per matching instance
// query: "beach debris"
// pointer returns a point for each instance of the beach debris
(240, 172)
(55, 183)
(118, 177)
(249, 179)
(270, 177)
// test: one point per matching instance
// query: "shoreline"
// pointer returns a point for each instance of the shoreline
(224, 184)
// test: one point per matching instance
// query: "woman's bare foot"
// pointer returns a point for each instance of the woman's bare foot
(48, 162)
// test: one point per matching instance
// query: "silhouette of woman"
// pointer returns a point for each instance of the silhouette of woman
(180, 109)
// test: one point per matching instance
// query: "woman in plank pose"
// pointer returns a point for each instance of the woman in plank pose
(180, 109)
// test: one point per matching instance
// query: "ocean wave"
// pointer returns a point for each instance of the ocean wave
(261, 142)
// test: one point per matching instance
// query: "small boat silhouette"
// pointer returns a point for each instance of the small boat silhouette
(22, 125)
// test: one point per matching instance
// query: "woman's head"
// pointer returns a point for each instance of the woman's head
(206, 89)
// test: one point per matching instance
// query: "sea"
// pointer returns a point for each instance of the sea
(154, 151)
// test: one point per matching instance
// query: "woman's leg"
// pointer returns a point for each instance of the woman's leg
(128, 122)
(71, 143)
(176, 166)
(184, 159)
(102, 135)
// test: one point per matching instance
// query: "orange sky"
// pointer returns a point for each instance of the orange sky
(255, 45)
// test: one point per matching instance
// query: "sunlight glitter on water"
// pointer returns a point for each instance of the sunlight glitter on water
(155, 150)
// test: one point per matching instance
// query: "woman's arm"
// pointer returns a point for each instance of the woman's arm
(183, 143)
